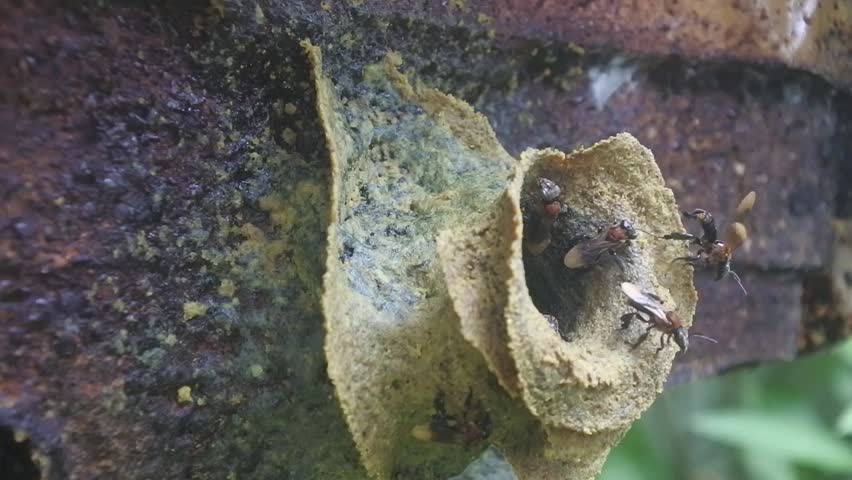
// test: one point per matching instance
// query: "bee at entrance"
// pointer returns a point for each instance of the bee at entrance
(713, 253)
(469, 429)
(540, 219)
(612, 239)
(667, 322)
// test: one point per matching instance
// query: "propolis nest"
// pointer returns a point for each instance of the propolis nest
(430, 295)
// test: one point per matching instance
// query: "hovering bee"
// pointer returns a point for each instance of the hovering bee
(537, 225)
(469, 430)
(610, 240)
(667, 322)
(712, 252)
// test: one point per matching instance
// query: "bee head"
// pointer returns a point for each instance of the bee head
(550, 191)
(628, 228)
(698, 214)
(681, 338)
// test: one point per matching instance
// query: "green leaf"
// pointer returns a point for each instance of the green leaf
(844, 422)
(760, 466)
(784, 437)
(618, 467)
(636, 457)
(844, 351)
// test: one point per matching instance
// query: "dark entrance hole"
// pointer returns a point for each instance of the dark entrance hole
(556, 291)
(16, 457)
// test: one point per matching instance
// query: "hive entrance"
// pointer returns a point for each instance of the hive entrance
(16, 457)
(556, 290)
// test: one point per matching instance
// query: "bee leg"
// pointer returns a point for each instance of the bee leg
(627, 318)
(618, 260)
(468, 401)
(643, 336)
(708, 224)
(694, 260)
(682, 236)
(663, 343)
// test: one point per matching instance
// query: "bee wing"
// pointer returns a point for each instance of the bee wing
(636, 294)
(655, 297)
(745, 206)
(587, 253)
(735, 235)
(575, 258)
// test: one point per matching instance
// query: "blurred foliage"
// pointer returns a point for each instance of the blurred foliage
(780, 422)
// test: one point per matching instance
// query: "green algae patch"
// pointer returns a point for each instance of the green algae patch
(184, 395)
(227, 288)
(256, 371)
(193, 309)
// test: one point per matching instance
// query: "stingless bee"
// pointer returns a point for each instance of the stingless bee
(610, 240)
(712, 252)
(537, 226)
(667, 322)
(469, 430)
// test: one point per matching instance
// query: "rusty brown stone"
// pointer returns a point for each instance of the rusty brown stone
(812, 36)
(151, 153)
(758, 328)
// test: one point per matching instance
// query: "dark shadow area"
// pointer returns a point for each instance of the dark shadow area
(555, 289)
(822, 324)
(16, 457)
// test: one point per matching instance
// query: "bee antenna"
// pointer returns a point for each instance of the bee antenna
(739, 282)
(644, 231)
(705, 337)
